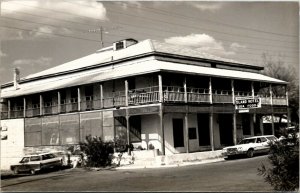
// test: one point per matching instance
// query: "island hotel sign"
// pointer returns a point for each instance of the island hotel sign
(243, 104)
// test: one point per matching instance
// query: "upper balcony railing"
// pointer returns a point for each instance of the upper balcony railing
(148, 95)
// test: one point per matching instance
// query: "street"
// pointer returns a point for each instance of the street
(232, 175)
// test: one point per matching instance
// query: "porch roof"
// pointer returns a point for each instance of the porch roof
(132, 69)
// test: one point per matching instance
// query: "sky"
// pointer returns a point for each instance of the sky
(40, 34)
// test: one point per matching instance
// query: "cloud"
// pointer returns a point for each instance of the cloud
(125, 4)
(236, 46)
(205, 6)
(42, 61)
(72, 9)
(2, 54)
(200, 42)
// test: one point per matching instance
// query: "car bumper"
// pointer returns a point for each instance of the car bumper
(230, 153)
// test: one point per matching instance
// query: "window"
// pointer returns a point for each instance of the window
(35, 158)
(263, 139)
(192, 133)
(46, 156)
(119, 45)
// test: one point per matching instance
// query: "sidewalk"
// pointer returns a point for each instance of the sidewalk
(186, 163)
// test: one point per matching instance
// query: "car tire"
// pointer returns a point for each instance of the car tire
(32, 172)
(16, 171)
(250, 153)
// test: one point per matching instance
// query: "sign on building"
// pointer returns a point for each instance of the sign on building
(243, 103)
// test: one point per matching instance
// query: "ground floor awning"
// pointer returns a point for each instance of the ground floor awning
(129, 69)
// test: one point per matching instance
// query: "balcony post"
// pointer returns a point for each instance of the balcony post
(24, 106)
(128, 131)
(185, 91)
(58, 102)
(78, 98)
(211, 130)
(161, 123)
(160, 89)
(253, 116)
(232, 91)
(186, 118)
(252, 89)
(126, 93)
(101, 96)
(234, 128)
(210, 91)
(41, 105)
(271, 94)
(287, 96)
(8, 106)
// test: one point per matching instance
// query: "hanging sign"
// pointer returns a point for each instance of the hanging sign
(247, 102)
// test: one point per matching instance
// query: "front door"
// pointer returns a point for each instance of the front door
(178, 133)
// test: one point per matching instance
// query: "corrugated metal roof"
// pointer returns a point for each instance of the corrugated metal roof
(146, 46)
(130, 69)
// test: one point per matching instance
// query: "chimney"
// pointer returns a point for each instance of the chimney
(16, 78)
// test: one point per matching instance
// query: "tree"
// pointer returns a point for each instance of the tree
(276, 68)
(283, 174)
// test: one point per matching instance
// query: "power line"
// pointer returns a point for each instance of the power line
(219, 23)
(240, 52)
(222, 33)
(54, 34)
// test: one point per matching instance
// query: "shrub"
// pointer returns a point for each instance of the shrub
(284, 159)
(151, 146)
(97, 151)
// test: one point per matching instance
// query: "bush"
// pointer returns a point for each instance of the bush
(284, 159)
(97, 151)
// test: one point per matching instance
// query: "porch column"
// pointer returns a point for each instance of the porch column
(185, 91)
(272, 116)
(41, 105)
(58, 102)
(101, 97)
(232, 91)
(186, 118)
(126, 93)
(211, 131)
(79, 98)
(24, 105)
(251, 117)
(160, 89)
(128, 130)
(287, 106)
(161, 124)
(8, 111)
(271, 94)
(234, 128)
(261, 125)
(210, 91)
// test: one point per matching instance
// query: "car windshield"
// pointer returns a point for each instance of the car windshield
(245, 141)
(25, 159)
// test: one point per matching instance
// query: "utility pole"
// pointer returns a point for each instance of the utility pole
(100, 30)
(101, 34)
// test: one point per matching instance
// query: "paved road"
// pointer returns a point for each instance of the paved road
(232, 175)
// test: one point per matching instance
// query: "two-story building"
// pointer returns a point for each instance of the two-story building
(148, 92)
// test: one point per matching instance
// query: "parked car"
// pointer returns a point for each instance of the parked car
(35, 163)
(250, 146)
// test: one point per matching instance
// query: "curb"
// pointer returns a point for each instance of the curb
(189, 163)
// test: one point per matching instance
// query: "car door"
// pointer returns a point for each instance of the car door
(23, 164)
(265, 147)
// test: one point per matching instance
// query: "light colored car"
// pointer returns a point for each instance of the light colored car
(34, 163)
(250, 146)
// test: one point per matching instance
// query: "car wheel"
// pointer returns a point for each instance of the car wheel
(16, 171)
(32, 171)
(250, 153)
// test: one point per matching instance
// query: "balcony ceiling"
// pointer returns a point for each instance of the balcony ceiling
(130, 69)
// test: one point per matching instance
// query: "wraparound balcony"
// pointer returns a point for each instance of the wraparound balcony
(148, 95)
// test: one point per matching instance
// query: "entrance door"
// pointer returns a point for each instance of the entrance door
(178, 133)
(203, 129)
(226, 127)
